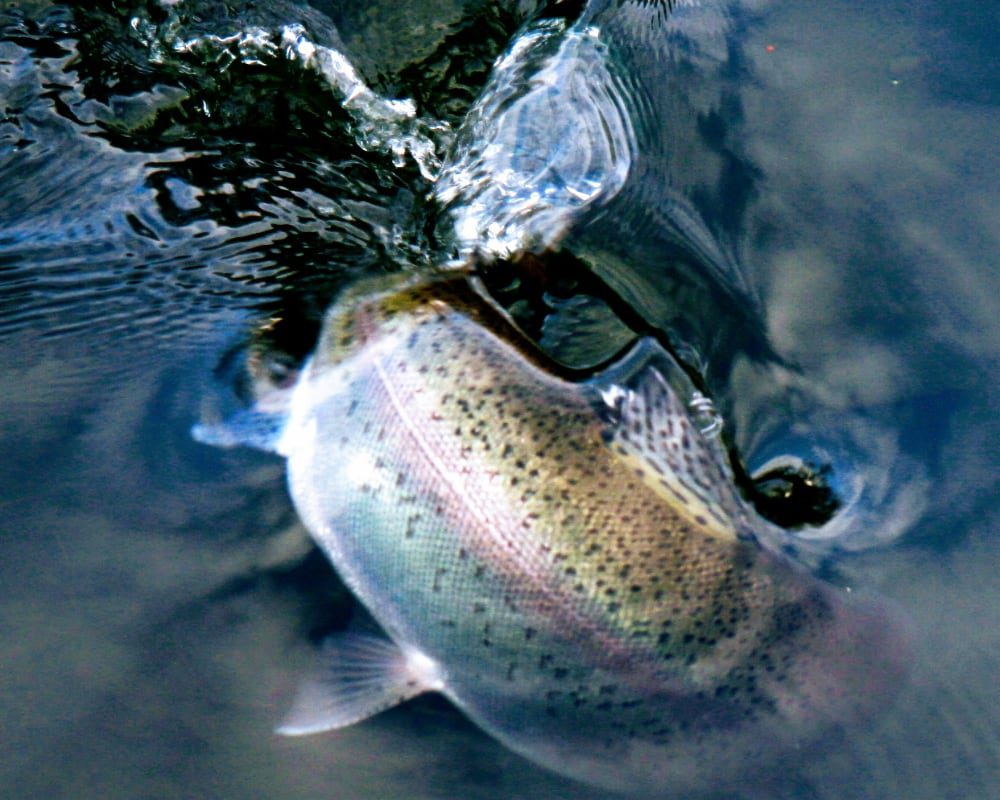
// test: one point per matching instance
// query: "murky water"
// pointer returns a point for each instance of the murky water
(808, 212)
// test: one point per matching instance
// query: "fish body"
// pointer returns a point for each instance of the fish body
(567, 561)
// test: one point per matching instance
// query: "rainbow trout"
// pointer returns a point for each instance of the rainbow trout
(567, 561)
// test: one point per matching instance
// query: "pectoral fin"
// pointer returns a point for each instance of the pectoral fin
(362, 674)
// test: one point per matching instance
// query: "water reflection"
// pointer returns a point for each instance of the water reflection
(156, 591)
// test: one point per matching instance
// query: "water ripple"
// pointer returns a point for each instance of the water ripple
(110, 228)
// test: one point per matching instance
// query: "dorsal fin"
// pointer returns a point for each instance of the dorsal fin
(653, 429)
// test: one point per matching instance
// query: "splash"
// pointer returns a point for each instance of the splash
(378, 124)
(549, 137)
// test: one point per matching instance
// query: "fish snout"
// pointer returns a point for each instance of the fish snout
(855, 666)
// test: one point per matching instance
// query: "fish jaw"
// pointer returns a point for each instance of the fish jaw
(854, 667)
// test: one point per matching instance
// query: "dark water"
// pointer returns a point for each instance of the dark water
(159, 208)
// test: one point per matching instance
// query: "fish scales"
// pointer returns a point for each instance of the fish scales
(579, 610)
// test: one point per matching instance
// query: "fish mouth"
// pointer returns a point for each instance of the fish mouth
(859, 668)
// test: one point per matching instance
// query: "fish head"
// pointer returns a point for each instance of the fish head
(849, 667)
